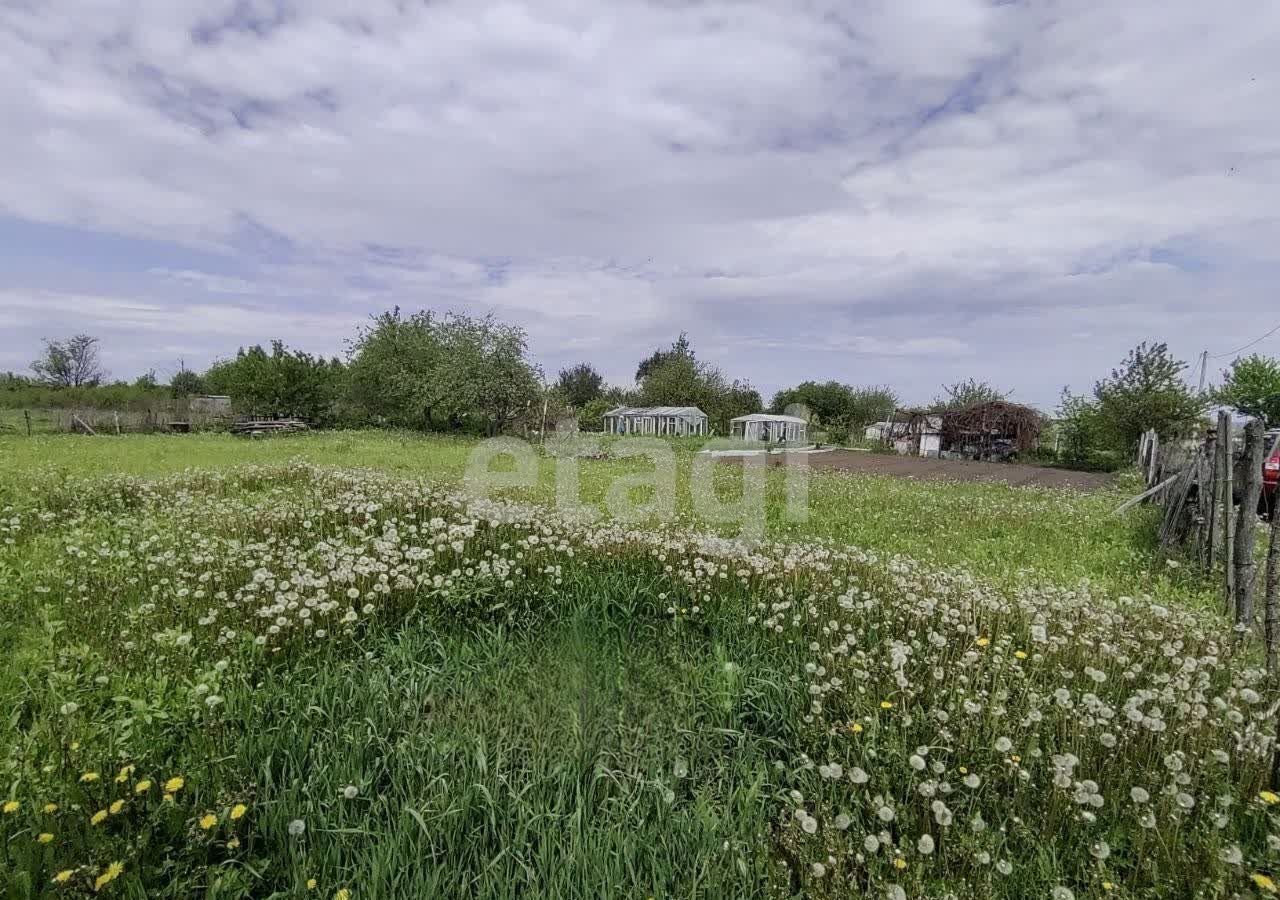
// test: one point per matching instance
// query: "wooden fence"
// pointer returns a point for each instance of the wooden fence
(1211, 494)
(169, 416)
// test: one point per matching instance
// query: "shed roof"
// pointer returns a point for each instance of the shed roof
(769, 417)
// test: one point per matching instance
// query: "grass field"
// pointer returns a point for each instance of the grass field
(308, 667)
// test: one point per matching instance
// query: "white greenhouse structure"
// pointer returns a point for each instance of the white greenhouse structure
(770, 429)
(657, 420)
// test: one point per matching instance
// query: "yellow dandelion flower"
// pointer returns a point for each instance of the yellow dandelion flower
(208, 820)
(982, 641)
(75, 745)
(311, 884)
(99, 817)
(1263, 882)
(63, 877)
(343, 894)
(142, 786)
(1016, 758)
(10, 807)
(89, 777)
(50, 808)
(233, 844)
(899, 863)
(175, 784)
(125, 774)
(115, 808)
(1021, 654)
(44, 838)
(964, 771)
(1108, 886)
(1268, 797)
(238, 811)
(168, 798)
(109, 874)
(885, 704)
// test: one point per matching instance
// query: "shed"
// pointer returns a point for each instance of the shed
(996, 429)
(775, 429)
(912, 432)
(657, 420)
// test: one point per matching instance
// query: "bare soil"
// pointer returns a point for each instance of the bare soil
(1016, 474)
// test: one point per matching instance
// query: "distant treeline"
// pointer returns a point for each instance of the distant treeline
(453, 372)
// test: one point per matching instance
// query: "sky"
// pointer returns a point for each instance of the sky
(902, 192)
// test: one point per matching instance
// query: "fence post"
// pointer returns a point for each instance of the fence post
(1272, 602)
(26, 414)
(1227, 440)
(1247, 523)
(1209, 500)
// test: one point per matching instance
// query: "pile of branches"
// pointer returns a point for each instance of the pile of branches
(981, 425)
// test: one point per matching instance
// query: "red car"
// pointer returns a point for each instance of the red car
(1271, 472)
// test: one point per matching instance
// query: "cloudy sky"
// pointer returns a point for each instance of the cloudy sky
(900, 191)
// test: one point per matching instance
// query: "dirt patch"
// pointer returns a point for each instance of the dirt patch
(951, 470)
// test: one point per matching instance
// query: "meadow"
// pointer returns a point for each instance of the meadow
(313, 667)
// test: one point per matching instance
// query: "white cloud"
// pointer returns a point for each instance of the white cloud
(903, 178)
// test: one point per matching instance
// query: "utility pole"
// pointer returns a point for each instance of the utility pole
(1204, 368)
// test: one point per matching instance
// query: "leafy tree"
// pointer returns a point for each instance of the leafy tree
(1252, 386)
(453, 371)
(279, 382)
(868, 405)
(967, 393)
(591, 414)
(828, 400)
(1147, 391)
(73, 362)
(681, 349)
(580, 384)
(678, 379)
(186, 383)
(839, 407)
(1079, 428)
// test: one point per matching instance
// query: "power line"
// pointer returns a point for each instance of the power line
(1248, 345)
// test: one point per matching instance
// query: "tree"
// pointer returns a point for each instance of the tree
(678, 379)
(679, 350)
(453, 371)
(580, 384)
(1146, 392)
(967, 393)
(591, 415)
(868, 405)
(1078, 427)
(827, 401)
(839, 407)
(73, 362)
(1252, 386)
(186, 383)
(279, 382)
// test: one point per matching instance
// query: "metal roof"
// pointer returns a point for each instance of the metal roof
(767, 417)
(683, 411)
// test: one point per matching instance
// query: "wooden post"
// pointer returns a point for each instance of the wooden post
(1153, 467)
(1247, 522)
(116, 417)
(81, 422)
(1227, 440)
(26, 414)
(1209, 499)
(1271, 616)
